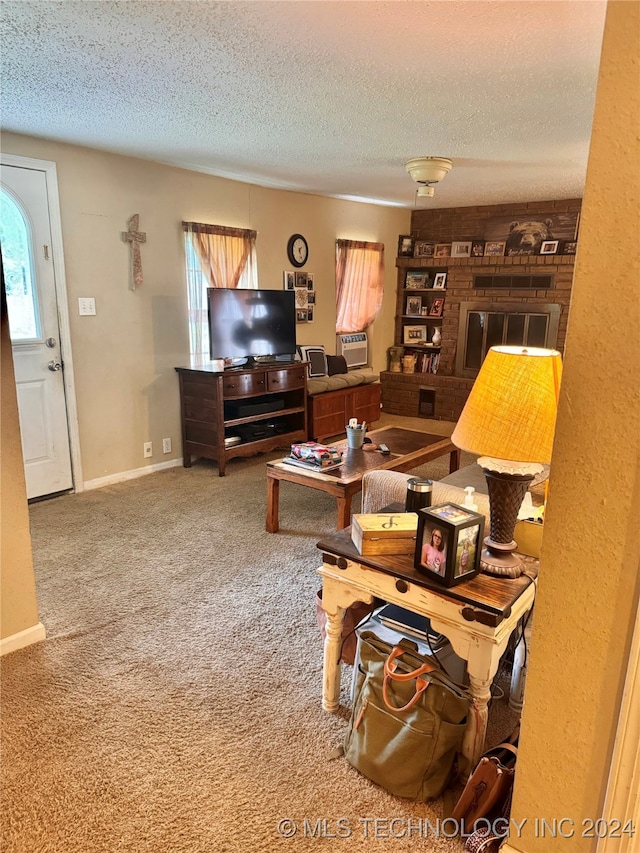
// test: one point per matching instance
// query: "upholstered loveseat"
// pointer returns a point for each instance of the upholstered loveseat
(335, 394)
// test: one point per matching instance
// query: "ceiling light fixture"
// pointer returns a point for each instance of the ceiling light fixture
(428, 171)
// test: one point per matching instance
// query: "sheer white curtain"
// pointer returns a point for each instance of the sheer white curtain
(359, 284)
(216, 256)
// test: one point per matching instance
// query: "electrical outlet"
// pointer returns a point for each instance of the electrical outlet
(166, 445)
(148, 449)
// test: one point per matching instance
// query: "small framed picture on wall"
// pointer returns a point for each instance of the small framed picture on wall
(289, 279)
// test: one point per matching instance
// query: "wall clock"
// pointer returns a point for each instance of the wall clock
(297, 250)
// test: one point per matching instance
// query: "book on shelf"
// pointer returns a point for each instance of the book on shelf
(413, 624)
(427, 361)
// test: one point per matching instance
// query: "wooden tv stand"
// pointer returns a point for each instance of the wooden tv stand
(265, 406)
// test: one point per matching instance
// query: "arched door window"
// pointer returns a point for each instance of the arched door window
(17, 263)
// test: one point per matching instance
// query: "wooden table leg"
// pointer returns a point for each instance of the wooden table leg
(454, 460)
(331, 668)
(336, 597)
(273, 504)
(344, 511)
(476, 731)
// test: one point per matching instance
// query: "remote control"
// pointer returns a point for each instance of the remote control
(384, 449)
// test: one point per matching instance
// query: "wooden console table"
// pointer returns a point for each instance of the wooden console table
(477, 617)
(264, 407)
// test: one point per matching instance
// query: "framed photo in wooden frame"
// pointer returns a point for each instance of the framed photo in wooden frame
(494, 248)
(405, 246)
(414, 334)
(448, 543)
(423, 249)
(437, 307)
(443, 250)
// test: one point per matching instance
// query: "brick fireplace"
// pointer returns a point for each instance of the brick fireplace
(443, 395)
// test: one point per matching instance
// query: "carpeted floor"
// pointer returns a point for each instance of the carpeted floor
(175, 704)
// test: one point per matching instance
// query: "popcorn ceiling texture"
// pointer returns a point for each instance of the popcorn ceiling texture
(324, 97)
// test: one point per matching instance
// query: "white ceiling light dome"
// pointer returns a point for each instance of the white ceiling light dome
(428, 171)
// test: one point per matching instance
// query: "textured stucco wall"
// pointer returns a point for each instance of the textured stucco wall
(19, 609)
(588, 589)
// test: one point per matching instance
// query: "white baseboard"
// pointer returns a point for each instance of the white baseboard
(112, 479)
(34, 634)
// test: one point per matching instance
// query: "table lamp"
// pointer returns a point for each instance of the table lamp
(509, 421)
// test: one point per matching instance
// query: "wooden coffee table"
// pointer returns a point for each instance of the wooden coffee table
(409, 449)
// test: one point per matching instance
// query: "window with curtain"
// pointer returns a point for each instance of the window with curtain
(216, 256)
(359, 284)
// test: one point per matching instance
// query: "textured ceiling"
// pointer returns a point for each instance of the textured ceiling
(330, 98)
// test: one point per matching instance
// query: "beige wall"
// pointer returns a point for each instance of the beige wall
(18, 608)
(588, 590)
(126, 387)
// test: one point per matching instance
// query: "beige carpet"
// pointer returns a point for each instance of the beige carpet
(175, 704)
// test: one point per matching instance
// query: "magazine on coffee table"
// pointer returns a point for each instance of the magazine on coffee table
(311, 466)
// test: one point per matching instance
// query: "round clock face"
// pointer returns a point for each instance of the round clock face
(297, 250)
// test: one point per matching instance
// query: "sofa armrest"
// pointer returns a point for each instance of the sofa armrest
(380, 488)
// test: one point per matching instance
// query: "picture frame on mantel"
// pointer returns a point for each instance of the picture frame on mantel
(405, 246)
(494, 248)
(423, 249)
(461, 250)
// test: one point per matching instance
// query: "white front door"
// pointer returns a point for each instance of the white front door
(27, 260)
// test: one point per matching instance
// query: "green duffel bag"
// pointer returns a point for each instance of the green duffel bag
(407, 722)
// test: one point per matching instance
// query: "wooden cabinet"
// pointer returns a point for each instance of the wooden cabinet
(329, 411)
(263, 407)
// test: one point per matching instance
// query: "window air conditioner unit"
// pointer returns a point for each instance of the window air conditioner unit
(354, 347)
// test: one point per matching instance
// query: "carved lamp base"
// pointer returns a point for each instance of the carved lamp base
(507, 485)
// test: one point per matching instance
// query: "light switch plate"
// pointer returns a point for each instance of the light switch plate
(86, 306)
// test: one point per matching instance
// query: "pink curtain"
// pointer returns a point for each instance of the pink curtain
(216, 256)
(224, 253)
(359, 284)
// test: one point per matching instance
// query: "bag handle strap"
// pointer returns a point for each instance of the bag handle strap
(391, 674)
(390, 667)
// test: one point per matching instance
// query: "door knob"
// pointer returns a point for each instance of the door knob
(54, 365)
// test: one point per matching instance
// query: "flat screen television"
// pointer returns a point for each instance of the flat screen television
(251, 324)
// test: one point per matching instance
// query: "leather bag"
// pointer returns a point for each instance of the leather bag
(488, 788)
(407, 721)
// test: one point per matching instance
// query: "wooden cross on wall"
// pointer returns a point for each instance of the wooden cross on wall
(135, 237)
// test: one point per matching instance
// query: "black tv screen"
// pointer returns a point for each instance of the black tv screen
(251, 323)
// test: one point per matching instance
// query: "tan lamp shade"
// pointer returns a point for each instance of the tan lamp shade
(511, 410)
